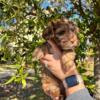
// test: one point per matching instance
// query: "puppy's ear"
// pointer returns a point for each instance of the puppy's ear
(77, 40)
(48, 32)
(77, 30)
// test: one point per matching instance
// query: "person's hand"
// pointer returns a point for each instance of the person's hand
(53, 61)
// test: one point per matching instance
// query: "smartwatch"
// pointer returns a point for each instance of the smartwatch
(72, 80)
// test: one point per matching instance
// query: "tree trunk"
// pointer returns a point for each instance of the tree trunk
(97, 73)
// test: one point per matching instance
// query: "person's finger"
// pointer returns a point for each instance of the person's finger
(47, 57)
(45, 62)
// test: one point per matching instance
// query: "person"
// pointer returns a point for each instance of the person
(74, 90)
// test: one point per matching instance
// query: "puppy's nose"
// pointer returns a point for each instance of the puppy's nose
(63, 41)
(72, 40)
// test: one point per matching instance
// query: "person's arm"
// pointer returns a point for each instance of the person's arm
(73, 89)
(77, 92)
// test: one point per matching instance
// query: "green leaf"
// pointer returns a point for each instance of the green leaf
(23, 83)
(25, 75)
(21, 70)
(10, 80)
(18, 80)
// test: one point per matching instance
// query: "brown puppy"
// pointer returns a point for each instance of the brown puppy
(63, 33)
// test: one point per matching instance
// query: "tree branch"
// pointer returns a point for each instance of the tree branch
(79, 8)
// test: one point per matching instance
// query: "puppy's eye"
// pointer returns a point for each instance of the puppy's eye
(57, 39)
(61, 33)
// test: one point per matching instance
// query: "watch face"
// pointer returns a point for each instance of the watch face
(71, 81)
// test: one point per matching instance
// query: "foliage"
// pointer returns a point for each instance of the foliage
(22, 23)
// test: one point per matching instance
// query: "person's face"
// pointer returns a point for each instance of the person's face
(66, 40)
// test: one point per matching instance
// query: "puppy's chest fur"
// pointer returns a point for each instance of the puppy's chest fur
(51, 85)
(67, 55)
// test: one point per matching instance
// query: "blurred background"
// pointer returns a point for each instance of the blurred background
(21, 26)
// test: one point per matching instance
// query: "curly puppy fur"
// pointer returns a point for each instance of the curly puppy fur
(51, 85)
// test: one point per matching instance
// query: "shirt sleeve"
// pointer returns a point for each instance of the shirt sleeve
(82, 94)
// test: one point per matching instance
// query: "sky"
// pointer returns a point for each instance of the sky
(67, 6)
(45, 4)
(48, 3)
